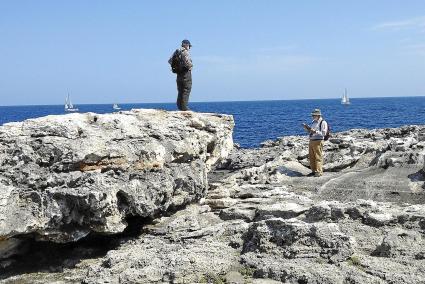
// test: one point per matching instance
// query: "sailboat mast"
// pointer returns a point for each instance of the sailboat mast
(70, 103)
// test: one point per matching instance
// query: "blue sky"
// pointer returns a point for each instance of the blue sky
(117, 51)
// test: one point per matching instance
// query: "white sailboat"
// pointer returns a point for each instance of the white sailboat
(116, 107)
(69, 106)
(345, 100)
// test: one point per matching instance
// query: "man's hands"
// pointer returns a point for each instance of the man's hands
(308, 128)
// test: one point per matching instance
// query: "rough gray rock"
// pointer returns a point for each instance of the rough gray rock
(264, 221)
(280, 210)
(296, 239)
(325, 211)
(187, 247)
(400, 243)
(63, 177)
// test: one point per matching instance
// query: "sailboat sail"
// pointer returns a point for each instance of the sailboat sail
(345, 100)
(68, 105)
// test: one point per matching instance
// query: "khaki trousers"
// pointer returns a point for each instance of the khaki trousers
(315, 153)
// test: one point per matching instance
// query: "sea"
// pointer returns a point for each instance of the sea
(258, 121)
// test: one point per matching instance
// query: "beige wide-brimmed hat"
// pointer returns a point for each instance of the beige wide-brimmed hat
(316, 112)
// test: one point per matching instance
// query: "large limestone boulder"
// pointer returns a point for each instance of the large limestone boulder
(63, 177)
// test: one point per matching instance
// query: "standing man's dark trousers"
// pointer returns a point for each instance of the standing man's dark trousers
(184, 86)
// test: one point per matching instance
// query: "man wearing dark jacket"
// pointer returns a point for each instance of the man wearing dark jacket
(184, 75)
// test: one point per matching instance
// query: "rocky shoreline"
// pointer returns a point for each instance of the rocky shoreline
(224, 215)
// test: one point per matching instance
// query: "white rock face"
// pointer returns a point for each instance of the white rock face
(62, 177)
(265, 221)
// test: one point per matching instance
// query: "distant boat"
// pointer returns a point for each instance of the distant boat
(69, 106)
(345, 100)
(116, 107)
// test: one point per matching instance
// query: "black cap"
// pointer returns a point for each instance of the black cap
(185, 41)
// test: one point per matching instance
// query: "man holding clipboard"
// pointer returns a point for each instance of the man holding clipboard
(317, 131)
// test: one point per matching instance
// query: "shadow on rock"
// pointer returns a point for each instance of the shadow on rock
(53, 257)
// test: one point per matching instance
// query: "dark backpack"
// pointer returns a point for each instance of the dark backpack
(328, 132)
(176, 61)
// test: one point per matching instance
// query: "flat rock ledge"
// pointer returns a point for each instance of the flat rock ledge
(64, 177)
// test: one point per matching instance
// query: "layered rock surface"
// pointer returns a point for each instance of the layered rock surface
(264, 221)
(64, 177)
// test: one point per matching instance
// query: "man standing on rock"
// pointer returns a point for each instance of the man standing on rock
(317, 132)
(181, 64)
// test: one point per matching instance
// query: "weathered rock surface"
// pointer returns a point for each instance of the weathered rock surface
(264, 221)
(63, 177)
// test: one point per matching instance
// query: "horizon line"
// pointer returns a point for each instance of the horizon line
(231, 101)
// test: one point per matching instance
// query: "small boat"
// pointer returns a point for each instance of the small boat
(69, 106)
(345, 100)
(116, 107)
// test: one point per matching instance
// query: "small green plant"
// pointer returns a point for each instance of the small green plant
(212, 278)
(202, 279)
(355, 261)
(247, 271)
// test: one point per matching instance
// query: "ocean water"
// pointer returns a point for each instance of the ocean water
(257, 121)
